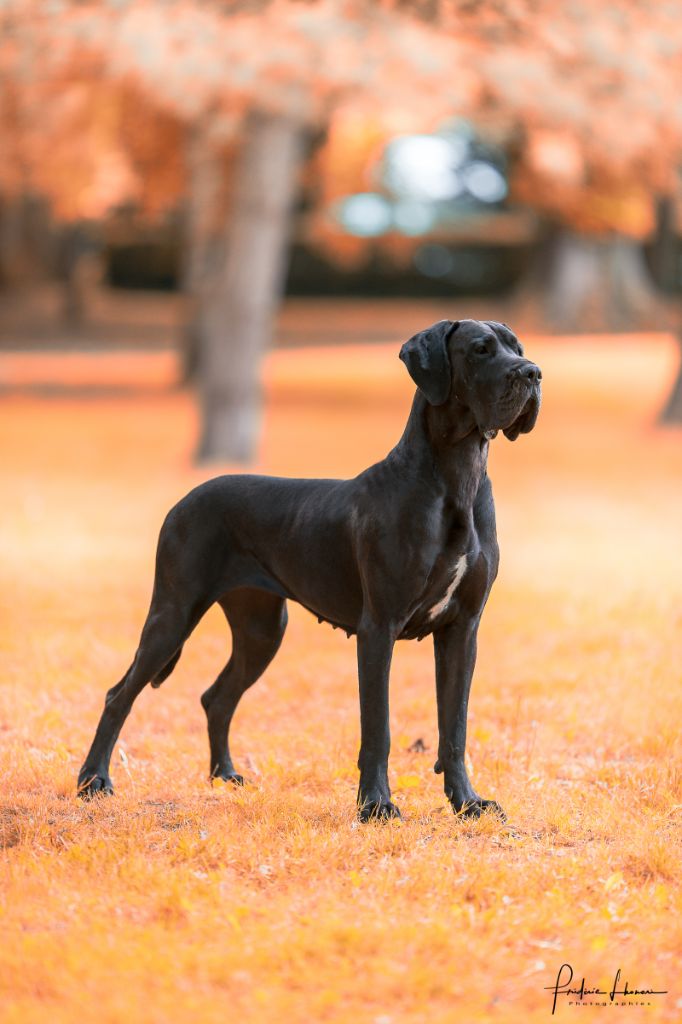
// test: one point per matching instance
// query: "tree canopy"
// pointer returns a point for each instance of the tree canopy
(588, 94)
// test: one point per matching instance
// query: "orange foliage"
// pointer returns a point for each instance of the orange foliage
(194, 60)
(173, 902)
(600, 79)
(88, 147)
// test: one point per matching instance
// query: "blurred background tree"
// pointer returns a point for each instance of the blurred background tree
(446, 148)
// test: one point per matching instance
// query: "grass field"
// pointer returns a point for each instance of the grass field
(176, 902)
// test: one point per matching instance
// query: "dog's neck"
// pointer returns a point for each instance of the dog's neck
(447, 443)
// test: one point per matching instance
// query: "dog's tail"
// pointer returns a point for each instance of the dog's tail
(166, 670)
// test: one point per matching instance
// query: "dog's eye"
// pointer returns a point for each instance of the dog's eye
(481, 349)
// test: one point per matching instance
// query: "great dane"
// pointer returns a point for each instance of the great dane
(406, 549)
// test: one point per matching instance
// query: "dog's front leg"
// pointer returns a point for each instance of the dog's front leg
(375, 649)
(455, 650)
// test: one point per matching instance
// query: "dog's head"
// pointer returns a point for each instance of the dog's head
(478, 365)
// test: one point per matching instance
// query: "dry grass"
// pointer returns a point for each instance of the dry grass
(175, 902)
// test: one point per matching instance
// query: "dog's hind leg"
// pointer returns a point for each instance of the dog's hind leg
(258, 620)
(167, 627)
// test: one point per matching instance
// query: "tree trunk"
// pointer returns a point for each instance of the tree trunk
(79, 272)
(665, 262)
(672, 410)
(14, 264)
(235, 323)
(26, 240)
(594, 284)
(201, 246)
(664, 258)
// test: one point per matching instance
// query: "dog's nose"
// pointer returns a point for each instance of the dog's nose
(530, 372)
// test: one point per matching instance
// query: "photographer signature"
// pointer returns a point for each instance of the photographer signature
(565, 977)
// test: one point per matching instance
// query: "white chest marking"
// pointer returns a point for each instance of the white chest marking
(460, 569)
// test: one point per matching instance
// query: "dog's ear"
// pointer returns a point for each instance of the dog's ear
(526, 421)
(427, 360)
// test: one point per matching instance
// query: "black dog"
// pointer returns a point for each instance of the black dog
(405, 549)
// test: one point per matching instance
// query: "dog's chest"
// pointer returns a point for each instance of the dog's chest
(457, 573)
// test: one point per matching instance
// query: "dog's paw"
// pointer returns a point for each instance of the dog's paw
(379, 810)
(475, 808)
(227, 779)
(90, 784)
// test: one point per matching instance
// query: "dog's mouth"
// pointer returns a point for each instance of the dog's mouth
(524, 421)
(517, 414)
